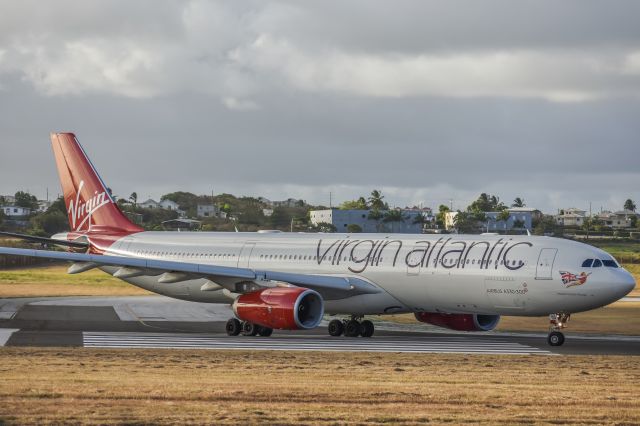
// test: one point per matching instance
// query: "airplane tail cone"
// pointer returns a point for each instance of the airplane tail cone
(90, 206)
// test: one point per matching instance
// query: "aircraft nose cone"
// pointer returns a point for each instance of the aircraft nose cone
(628, 283)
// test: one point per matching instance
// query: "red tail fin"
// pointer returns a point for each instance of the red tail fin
(89, 205)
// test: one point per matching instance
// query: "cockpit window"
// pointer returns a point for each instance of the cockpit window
(610, 263)
(587, 263)
(597, 263)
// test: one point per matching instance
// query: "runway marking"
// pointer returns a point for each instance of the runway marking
(375, 344)
(5, 335)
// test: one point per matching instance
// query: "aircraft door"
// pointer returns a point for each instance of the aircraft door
(544, 267)
(244, 259)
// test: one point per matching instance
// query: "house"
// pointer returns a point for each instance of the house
(267, 212)
(207, 210)
(15, 212)
(8, 199)
(171, 205)
(43, 205)
(571, 217)
(149, 204)
(617, 220)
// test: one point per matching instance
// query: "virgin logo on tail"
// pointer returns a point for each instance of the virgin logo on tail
(80, 212)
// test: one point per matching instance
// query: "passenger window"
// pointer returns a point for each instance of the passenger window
(597, 263)
(587, 263)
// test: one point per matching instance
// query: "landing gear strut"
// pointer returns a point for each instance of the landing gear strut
(351, 327)
(235, 327)
(556, 323)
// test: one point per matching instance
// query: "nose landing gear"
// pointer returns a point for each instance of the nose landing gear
(556, 323)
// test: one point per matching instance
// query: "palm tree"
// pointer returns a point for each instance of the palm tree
(504, 217)
(375, 200)
(518, 202)
(134, 198)
(630, 205)
(393, 216)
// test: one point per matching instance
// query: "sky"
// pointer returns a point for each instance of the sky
(431, 102)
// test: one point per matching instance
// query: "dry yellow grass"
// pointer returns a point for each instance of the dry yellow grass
(54, 281)
(635, 271)
(234, 387)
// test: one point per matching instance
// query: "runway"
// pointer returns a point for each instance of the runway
(291, 343)
(158, 322)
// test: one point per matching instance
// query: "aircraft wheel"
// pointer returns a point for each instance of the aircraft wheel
(352, 328)
(233, 327)
(555, 338)
(336, 328)
(265, 331)
(367, 328)
(249, 328)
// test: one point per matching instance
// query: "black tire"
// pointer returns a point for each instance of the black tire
(555, 338)
(249, 328)
(367, 328)
(352, 328)
(233, 327)
(336, 328)
(265, 331)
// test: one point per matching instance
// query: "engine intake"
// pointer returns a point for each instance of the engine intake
(460, 322)
(283, 308)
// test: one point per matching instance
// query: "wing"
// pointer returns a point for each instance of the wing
(329, 286)
(46, 241)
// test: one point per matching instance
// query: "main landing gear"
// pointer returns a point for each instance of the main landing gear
(351, 327)
(235, 327)
(556, 323)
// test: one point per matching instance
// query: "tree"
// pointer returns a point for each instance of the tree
(518, 202)
(50, 222)
(633, 221)
(466, 222)
(393, 216)
(24, 199)
(324, 227)
(486, 203)
(440, 216)
(503, 216)
(630, 205)
(134, 198)
(2, 216)
(359, 204)
(354, 228)
(375, 200)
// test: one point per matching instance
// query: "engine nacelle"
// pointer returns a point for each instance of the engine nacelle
(460, 322)
(283, 308)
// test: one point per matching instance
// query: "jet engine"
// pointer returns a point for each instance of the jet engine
(284, 308)
(460, 322)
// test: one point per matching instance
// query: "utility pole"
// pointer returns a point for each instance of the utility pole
(330, 200)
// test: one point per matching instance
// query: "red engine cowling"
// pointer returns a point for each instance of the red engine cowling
(283, 308)
(461, 322)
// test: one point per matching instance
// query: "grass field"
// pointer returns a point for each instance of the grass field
(233, 387)
(623, 251)
(54, 281)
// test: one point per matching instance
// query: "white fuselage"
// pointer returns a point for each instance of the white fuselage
(488, 274)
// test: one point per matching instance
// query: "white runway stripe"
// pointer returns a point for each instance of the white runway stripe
(320, 343)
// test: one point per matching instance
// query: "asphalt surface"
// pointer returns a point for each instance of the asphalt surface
(160, 322)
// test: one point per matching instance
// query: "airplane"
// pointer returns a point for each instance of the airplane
(289, 281)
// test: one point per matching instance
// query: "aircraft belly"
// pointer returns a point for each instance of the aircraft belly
(434, 291)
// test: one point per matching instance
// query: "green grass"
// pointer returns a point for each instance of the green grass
(623, 251)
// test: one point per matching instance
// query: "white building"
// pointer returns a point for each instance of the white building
(619, 219)
(267, 212)
(571, 217)
(207, 210)
(520, 216)
(43, 205)
(15, 211)
(149, 204)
